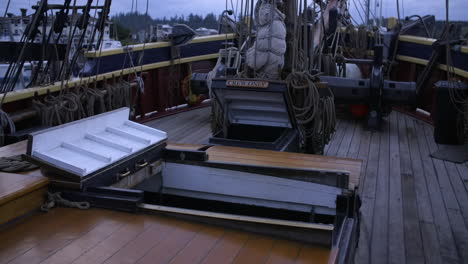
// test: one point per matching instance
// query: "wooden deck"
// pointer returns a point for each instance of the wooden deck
(103, 236)
(415, 208)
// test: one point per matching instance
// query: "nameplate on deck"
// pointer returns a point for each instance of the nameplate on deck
(247, 84)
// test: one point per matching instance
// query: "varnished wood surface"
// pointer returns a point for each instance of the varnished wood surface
(286, 159)
(415, 208)
(20, 193)
(103, 236)
(13, 186)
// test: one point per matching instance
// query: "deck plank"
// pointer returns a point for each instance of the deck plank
(315, 255)
(380, 222)
(255, 250)
(343, 149)
(338, 139)
(227, 248)
(396, 238)
(428, 230)
(26, 234)
(56, 241)
(197, 249)
(86, 242)
(144, 242)
(283, 252)
(459, 189)
(355, 141)
(334, 136)
(173, 243)
(413, 240)
(366, 245)
(117, 240)
(448, 249)
(457, 224)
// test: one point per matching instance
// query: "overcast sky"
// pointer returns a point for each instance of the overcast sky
(160, 8)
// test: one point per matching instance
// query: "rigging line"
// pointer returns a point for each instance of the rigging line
(104, 14)
(370, 11)
(225, 39)
(25, 37)
(90, 41)
(398, 10)
(57, 39)
(15, 68)
(67, 53)
(359, 12)
(6, 9)
(144, 41)
(84, 28)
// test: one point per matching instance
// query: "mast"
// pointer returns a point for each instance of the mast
(368, 12)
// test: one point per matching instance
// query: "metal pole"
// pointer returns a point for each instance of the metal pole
(368, 12)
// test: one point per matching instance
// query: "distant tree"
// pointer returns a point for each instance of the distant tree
(135, 21)
(123, 33)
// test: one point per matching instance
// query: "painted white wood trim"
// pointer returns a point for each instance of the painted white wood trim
(240, 218)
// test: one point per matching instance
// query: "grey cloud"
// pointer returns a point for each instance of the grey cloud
(160, 8)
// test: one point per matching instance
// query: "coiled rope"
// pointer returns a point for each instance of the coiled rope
(15, 164)
(55, 199)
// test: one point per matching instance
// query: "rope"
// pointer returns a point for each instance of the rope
(315, 116)
(6, 124)
(55, 199)
(15, 164)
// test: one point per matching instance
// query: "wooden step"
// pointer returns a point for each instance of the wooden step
(20, 193)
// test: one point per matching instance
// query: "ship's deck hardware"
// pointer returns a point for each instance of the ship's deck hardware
(85, 158)
(257, 114)
(97, 151)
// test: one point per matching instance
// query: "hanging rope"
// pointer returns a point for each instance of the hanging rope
(6, 124)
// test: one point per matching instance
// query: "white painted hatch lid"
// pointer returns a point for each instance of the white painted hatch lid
(87, 145)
